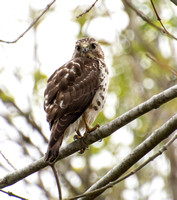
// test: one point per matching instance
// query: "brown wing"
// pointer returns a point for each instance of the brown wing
(69, 93)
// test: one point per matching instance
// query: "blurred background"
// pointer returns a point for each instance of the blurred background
(131, 46)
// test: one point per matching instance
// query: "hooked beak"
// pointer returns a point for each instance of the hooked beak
(85, 48)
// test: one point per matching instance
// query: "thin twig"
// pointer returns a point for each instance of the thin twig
(88, 10)
(159, 19)
(7, 160)
(13, 195)
(111, 184)
(162, 64)
(145, 18)
(31, 25)
(25, 138)
(9, 100)
(57, 181)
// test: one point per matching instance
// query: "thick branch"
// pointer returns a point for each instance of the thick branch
(104, 131)
(174, 1)
(141, 150)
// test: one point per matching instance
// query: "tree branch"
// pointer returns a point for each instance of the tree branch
(31, 25)
(88, 10)
(8, 162)
(112, 183)
(13, 195)
(162, 64)
(174, 1)
(159, 19)
(145, 18)
(7, 99)
(57, 181)
(104, 131)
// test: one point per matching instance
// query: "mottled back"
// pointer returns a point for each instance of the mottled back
(70, 91)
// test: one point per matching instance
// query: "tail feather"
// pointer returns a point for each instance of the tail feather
(54, 144)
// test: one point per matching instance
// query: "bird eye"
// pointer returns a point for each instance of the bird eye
(93, 45)
(78, 48)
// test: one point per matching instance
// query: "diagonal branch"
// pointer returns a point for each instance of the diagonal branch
(162, 64)
(112, 177)
(7, 99)
(104, 131)
(145, 18)
(31, 25)
(11, 194)
(174, 1)
(88, 10)
(159, 19)
(8, 162)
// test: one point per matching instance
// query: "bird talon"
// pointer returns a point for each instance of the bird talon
(83, 150)
(76, 137)
(90, 129)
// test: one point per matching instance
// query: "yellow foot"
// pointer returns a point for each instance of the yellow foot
(87, 131)
(90, 129)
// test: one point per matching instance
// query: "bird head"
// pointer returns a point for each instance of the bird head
(88, 47)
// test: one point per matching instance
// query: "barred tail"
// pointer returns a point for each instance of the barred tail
(55, 142)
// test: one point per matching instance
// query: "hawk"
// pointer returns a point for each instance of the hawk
(75, 94)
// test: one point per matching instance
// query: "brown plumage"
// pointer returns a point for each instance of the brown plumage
(75, 94)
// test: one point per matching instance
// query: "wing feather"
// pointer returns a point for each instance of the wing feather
(70, 91)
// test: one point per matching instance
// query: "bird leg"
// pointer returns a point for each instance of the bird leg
(89, 129)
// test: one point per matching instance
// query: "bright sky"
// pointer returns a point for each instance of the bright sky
(56, 37)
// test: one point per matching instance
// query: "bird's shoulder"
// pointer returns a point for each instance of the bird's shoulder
(75, 68)
(79, 74)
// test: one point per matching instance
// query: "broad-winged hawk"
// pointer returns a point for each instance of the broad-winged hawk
(75, 94)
